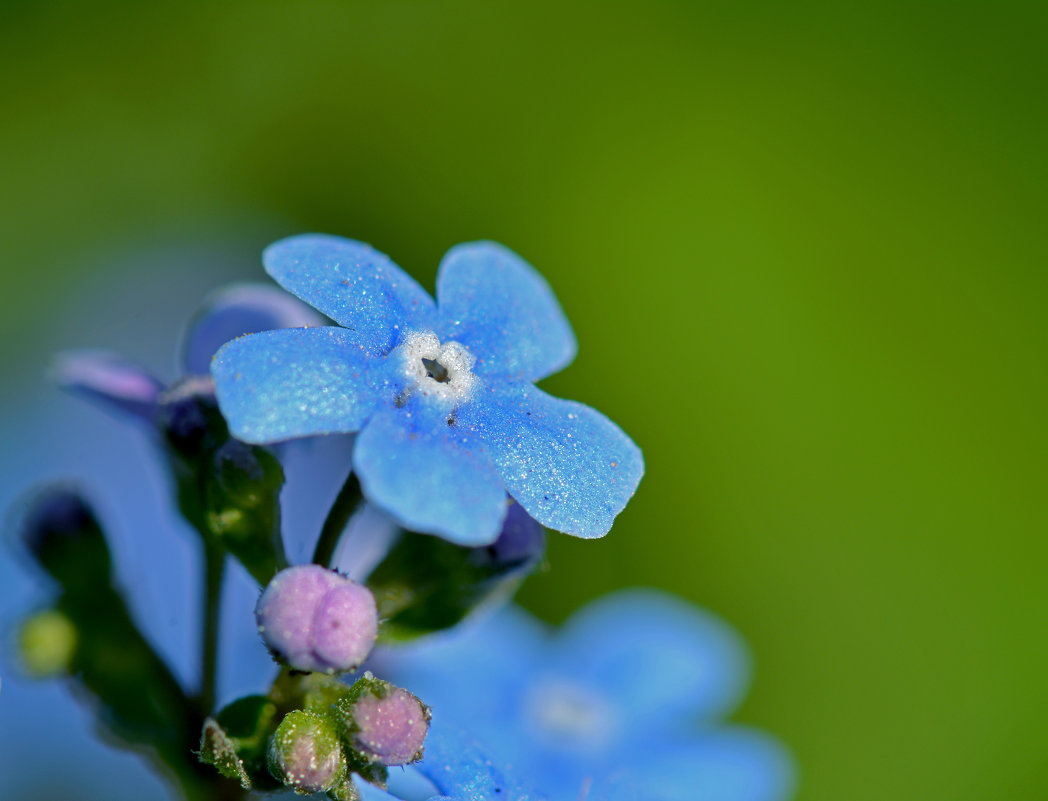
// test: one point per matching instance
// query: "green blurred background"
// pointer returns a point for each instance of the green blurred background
(802, 245)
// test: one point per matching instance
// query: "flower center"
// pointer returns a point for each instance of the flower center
(570, 715)
(442, 372)
(436, 370)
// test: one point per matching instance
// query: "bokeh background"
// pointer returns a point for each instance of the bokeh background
(803, 247)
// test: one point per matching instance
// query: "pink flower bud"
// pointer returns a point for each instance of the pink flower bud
(384, 724)
(315, 619)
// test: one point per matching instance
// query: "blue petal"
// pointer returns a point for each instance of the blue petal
(354, 285)
(498, 306)
(569, 466)
(430, 476)
(460, 768)
(660, 660)
(730, 764)
(111, 379)
(237, 310)
(296, 382)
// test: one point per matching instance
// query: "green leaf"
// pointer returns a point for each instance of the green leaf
(427, 584)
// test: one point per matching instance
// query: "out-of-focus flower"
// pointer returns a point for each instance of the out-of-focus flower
(317, 620)
(443, 397)
(625, 701)
(131, 389)
(457, 767)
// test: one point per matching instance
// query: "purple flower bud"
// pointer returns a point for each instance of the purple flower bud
(61, 533)
(522, 539)
(186, 412)
(317, 620)
(238, 310)
(384, 724)
(110, 378)
(305, 753)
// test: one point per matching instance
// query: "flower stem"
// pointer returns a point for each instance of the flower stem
(348, 499)
(214, 570)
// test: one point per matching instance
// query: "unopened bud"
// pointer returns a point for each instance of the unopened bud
(316, 619)
(188, 414)
(110, 378)
(384, 724)
(47, 641)
(61, 533)
(521, 541)
(305, 753)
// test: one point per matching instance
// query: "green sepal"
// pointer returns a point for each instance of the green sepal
(347, 791)
(218, 748)
(239, 735)
(426, 584)
(228, 490)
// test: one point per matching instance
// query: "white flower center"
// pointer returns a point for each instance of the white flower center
(443, 373)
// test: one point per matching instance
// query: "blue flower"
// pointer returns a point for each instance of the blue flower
(625, 701)
(443, 396)
(456, 767)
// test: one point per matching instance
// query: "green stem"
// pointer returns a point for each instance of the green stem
(214, 570)
(348, 499)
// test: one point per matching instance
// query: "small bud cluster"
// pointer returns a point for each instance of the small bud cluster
(341, 731)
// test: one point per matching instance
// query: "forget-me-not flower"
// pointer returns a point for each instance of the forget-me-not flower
(456, 767)
(625, 701)
(442, 393)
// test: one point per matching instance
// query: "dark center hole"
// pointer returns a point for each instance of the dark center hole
(436, 370)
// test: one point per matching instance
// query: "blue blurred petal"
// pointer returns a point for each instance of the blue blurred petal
(493, 657)
(109, 378)
(498, 306)
(660, 660)
(296, 382)
(569, 466)
(730, 764)
(430, 476)
(237, 310)
(460, 768)
(354, 285)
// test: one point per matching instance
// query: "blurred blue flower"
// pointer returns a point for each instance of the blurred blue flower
(625, 701)
(444, 398)
(121, 384)
(456, 767)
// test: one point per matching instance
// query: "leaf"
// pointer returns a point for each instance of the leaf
(427, 584)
